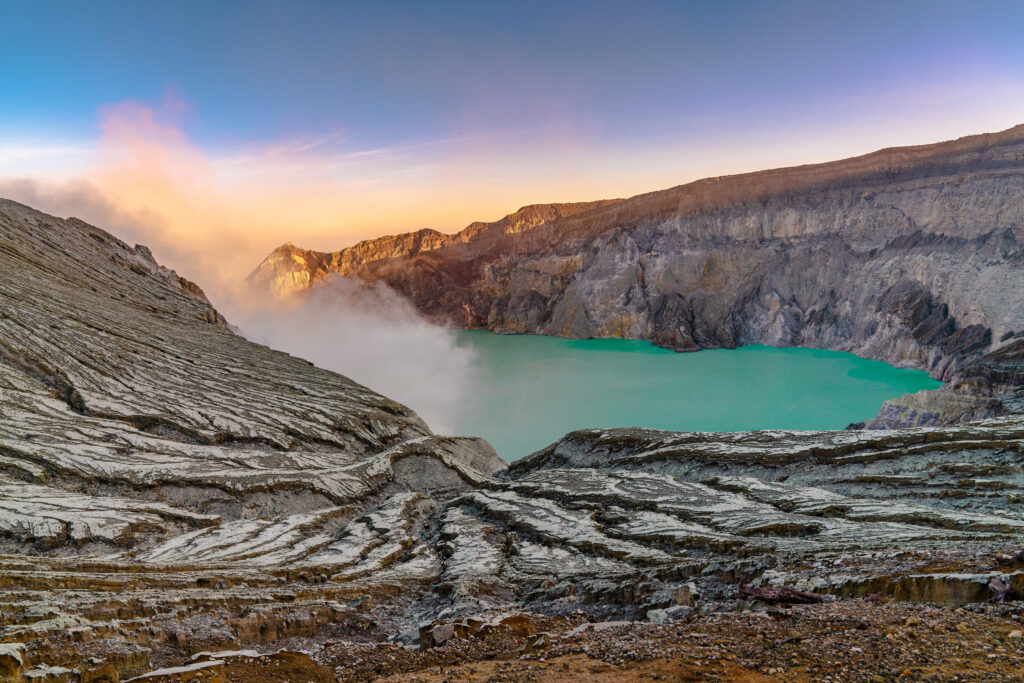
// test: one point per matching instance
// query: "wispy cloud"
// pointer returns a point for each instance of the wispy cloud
(38, 156)
(213, 214)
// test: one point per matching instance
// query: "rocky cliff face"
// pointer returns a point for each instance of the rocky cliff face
(289, 270)
(169, 488)
(910, 255)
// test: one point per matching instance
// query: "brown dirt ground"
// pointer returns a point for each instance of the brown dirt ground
(845, 641)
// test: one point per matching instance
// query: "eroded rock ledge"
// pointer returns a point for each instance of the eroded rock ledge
(168, 488)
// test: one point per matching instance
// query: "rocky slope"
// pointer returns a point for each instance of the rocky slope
(911, 255)
(169, 488)
(290, 269)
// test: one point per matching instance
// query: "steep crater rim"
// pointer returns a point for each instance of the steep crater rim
(912, 256)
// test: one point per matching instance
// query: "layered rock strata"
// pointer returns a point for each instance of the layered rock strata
(908, 255)
(168, 488)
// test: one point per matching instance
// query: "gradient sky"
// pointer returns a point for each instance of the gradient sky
(252, 123)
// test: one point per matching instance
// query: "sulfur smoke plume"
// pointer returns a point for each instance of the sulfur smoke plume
(371, 334)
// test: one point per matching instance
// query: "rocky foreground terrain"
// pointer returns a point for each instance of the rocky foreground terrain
(179, 503)
(909, 255)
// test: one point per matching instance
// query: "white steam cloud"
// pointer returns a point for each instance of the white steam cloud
(376, 337)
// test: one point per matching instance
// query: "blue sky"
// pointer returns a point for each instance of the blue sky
(386, 72)
(387, 116)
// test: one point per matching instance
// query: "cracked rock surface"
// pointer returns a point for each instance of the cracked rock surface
(168, 488)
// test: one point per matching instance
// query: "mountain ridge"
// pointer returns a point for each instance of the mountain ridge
(910, 255)
(347, 261)
(893, 157)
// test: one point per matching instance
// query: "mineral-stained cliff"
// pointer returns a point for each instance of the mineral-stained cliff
(169, 488)
(910, 255)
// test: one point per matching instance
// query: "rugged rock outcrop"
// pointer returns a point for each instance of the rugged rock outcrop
(910, 255)
(167, 488)
(290, 269)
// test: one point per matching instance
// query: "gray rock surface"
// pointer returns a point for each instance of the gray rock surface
(168, 487)
(120, 379)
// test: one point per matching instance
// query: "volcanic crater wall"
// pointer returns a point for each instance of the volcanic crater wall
(911, 255)
(168, 487)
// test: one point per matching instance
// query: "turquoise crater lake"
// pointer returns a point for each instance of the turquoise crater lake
(530, 390)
